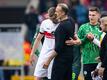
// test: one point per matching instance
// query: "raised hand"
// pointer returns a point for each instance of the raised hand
(90, 36)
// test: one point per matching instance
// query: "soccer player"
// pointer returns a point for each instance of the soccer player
(102, 71)
(88, 49)
(47, 29)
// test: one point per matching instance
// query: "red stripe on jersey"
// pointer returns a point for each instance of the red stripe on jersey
(49, 35)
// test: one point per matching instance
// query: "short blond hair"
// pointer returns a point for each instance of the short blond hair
(104, 20)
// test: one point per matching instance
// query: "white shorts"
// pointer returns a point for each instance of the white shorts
(40, 71)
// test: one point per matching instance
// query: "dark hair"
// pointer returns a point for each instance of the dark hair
(64, 7)
(51, 11)
(93, 8)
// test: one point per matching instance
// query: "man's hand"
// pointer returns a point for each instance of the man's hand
(46, 63)
(95, 73)
(90, 36)
(69, 42)
(72, 41)
(32, 58)
(75, 36)
(98, 59)
(101, 71)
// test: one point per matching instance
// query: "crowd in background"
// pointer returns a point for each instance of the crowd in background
(36, 12)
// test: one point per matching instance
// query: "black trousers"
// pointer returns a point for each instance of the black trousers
(62, 69)
(87, 69)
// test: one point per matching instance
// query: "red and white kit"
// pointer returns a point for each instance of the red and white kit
(47, 28)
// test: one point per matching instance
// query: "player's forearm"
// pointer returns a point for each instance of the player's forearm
(77, 42)
(53, 55)
(49, 59)
(36, 43)
(35, 46)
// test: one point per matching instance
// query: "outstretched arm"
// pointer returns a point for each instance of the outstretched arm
(75, 41)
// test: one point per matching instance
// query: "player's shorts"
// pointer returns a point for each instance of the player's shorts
(40, 71)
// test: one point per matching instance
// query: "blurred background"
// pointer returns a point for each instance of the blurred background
(19, 20)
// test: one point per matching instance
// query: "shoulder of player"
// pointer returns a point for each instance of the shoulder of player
(46, 21)
(84, 26)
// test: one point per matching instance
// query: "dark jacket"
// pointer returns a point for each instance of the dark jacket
(103, 52)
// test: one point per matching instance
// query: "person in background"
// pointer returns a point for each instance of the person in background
(103, 50)
(31, 20)
(103, 53)
(88, 49)
(47, 29)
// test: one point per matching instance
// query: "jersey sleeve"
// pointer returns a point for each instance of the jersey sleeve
(82, 34)
(42, 26)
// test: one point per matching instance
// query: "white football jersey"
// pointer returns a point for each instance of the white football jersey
(47, 28)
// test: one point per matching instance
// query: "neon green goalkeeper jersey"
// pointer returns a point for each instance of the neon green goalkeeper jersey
(88, 49)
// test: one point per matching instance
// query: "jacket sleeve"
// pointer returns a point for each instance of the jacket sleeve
(103, 53)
